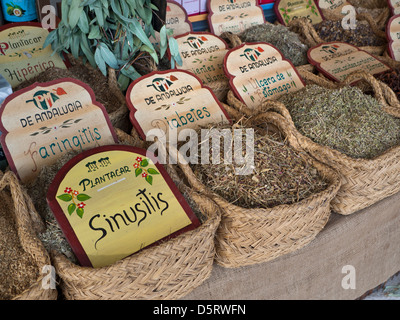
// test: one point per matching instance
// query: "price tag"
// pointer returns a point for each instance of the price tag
(44, 121)
(113, 201)
(288, 10)
(233, 15)
(336, 60)
(171, 101)
(22, 55)
(258, 71)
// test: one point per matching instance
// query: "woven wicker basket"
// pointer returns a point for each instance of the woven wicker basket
(363, 182)
(250, 236)
(28, 223)
(169, 270)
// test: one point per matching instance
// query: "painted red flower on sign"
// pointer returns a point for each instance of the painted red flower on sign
(81, 205)
(136, 165)
(138, 159)
(144, 174)
(75, 193)
(68, 190)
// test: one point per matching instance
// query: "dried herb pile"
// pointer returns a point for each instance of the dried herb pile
(280, 36)
(280, 175)
(345, 119)
(18, 270)
(392, 79)
(361, 36)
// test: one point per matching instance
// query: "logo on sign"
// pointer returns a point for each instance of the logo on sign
(162, 84)
(330, 49)
(44, 99)
(196, 42)
(252, 54)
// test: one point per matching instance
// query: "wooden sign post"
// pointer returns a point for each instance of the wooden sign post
(393, 36)
(113, 201)
(46, 120)
(203, 54)
(336, 60)
(288, 10)
(258, 71)
(233, 15)
(22, 55)
(172, 100)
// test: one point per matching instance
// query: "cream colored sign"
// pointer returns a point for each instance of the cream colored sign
(337, 60)
(394, 6)
(288, 10)
(258, 72)
(176, 19)
(393, 36)
(334, 5)
(113, 201)
(203, 54)
(43, 122)
(233, 15)
(172, 100)
(22, 55)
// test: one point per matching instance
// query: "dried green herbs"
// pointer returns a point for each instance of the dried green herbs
(361, 36)
(345, 119)
(281, 37)
(280, 175)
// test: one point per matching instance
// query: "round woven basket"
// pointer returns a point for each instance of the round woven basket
(28, 223)
(363, 182)
(250, 236)
(169, 270)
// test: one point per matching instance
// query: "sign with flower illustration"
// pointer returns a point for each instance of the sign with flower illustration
(288, 10)
(393, 36)
(337, 60)
(44, 121)
(203, 54)
(113, 201)
(171, 101)
(22, 55)
(258, 71)
(233, 15)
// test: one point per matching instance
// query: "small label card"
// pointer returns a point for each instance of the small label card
(332, 5)
(336, 60)
(288, 10)
(394, 6)
(113, 201)
(233, 16)
(176, 19)
(393, 36)
(203, 54)
(22, 55)
(44, 121)
(170, 101)
(258, 71)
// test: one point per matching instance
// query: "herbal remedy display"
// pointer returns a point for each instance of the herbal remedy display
(346, 120)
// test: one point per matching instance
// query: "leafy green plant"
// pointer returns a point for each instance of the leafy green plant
(111, 33)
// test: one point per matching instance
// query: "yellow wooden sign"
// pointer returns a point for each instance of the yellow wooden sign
(115, 200)
(288, 10)
(22, 55)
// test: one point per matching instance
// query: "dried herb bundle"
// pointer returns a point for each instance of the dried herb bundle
(281, 37)
(280, 175)
(346, 120)
(361, 36)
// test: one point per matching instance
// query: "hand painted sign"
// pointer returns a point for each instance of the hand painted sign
(394, 6)
(258, 71)
(203, 54)
(176, 20)
(22, 55)
(233, 15)
(46, 120)
(393, 36)
(172, 100)
(336, 60)
(113, 201)
(288, 10)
